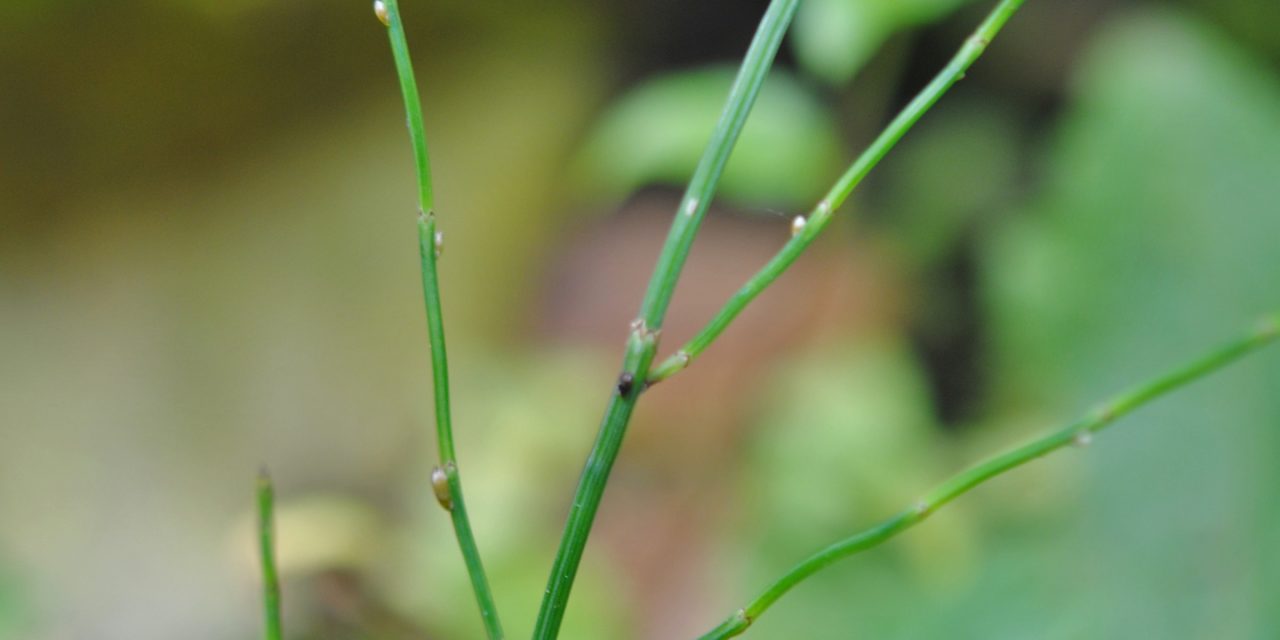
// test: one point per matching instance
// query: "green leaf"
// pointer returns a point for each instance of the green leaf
(832, 39)
(789, 149)
(967, 156)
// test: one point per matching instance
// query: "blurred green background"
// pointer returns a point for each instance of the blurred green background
(207, 264)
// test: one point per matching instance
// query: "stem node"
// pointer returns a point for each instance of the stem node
(643, 341)
(440, 486)
(445, 482)
(822, 213)
(640, 329)
(824, 208)
(797, 225)
(691, 207)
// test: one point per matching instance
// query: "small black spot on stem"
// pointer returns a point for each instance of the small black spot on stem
(625, 382)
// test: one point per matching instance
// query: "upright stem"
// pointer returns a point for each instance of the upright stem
(267, 557)
(1079, 432)
(450, 490)
(643, 340)
(807, 229)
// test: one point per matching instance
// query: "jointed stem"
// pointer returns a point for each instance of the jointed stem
(455, 503)
(389, 12)
(643, 339)
(1080, 431)
(267, 557)
(821, 214)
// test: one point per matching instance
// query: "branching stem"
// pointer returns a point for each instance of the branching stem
(643, 340)
(1080, 431)
(821, 214)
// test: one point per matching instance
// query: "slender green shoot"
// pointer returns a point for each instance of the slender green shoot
(267, 556)
(643, 340)
(806, 229)
(1080, 432)
(429, 244)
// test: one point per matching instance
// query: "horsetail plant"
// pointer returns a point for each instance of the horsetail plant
(1079, 433)
(445, 478)
(636, 373)
(267, 557)
(805, 229)
(645, 330)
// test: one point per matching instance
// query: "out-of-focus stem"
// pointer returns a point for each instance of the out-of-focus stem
(267, 557)
(1078, 432)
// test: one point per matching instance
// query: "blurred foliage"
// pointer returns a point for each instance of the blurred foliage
(969, 152)
(206, 262)
(655, 133)
(845, 437)
(1155, 232)
(833, 39)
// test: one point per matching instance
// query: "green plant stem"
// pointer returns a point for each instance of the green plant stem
(821, 214)
(643, 340)
(427, 249)
(456, 504)
(1078, 432)
(267, 557)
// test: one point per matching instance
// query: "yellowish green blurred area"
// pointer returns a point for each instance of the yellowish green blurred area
(208, 265)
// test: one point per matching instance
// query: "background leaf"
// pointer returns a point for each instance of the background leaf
(832, 39)
(655, 133)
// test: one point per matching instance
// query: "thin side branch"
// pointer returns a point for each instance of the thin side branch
(643, 340)
(807, 229)
(1078, 432)
(388, 12)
